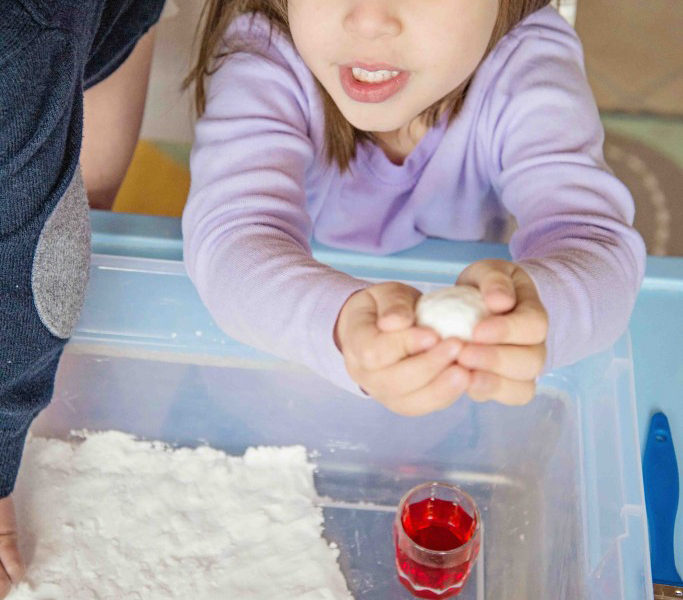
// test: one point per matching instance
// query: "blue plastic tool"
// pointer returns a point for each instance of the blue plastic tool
(660, 474)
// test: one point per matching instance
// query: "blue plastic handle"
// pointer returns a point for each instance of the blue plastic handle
(660, 474)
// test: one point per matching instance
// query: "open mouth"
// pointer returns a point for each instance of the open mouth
(369, 83)
(373, 76)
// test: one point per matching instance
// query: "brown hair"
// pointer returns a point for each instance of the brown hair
(341, 138)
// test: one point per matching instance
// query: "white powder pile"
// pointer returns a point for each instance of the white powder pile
(112, 518)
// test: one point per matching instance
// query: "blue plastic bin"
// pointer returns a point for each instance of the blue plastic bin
(558, 482)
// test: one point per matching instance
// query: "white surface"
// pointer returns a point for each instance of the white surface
(112, 517)
(567, 8)
(452, 311)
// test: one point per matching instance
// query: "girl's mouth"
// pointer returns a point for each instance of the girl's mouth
(372, 83)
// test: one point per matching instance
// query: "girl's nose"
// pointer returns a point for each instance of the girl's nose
(372, 19)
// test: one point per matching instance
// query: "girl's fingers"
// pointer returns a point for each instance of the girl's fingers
(439, 394)
(508, 289)
(527, 324)
(365, 347)
(412, 373)
(494, 280)
(489, 386)
(372, 350)
(395, 304)
(520, 363)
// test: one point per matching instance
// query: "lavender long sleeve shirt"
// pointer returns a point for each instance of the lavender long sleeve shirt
(528, 142)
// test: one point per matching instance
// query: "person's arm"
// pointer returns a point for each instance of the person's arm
(112, 115)
(245, 227)
(44, 234)
(575, 236)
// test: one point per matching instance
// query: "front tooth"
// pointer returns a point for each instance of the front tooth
(373, 76)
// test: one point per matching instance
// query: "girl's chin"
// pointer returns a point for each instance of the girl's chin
(373, 123)
(381, 117)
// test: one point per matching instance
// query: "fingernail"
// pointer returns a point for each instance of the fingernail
(501, 290)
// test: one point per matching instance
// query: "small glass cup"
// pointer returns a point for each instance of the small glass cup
(437, 537)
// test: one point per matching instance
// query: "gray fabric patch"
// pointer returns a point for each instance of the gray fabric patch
(62, 260)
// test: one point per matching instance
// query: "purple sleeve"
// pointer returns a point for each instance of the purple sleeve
(575, 236)
(245, 228)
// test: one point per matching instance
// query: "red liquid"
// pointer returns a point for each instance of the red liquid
(436, 525)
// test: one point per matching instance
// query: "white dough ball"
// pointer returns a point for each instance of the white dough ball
(453, 311)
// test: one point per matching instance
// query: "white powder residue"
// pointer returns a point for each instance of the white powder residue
(112, 518)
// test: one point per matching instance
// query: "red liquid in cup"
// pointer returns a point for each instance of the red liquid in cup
(436, 525)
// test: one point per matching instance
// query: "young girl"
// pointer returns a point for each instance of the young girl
(373, 124)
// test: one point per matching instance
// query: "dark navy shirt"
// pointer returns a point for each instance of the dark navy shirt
(50, 52)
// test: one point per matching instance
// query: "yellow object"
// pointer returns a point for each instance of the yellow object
(155, 184)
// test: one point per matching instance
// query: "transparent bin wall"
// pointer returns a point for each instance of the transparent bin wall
(557, 481)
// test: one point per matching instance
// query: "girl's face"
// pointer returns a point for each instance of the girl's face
(384, 62)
